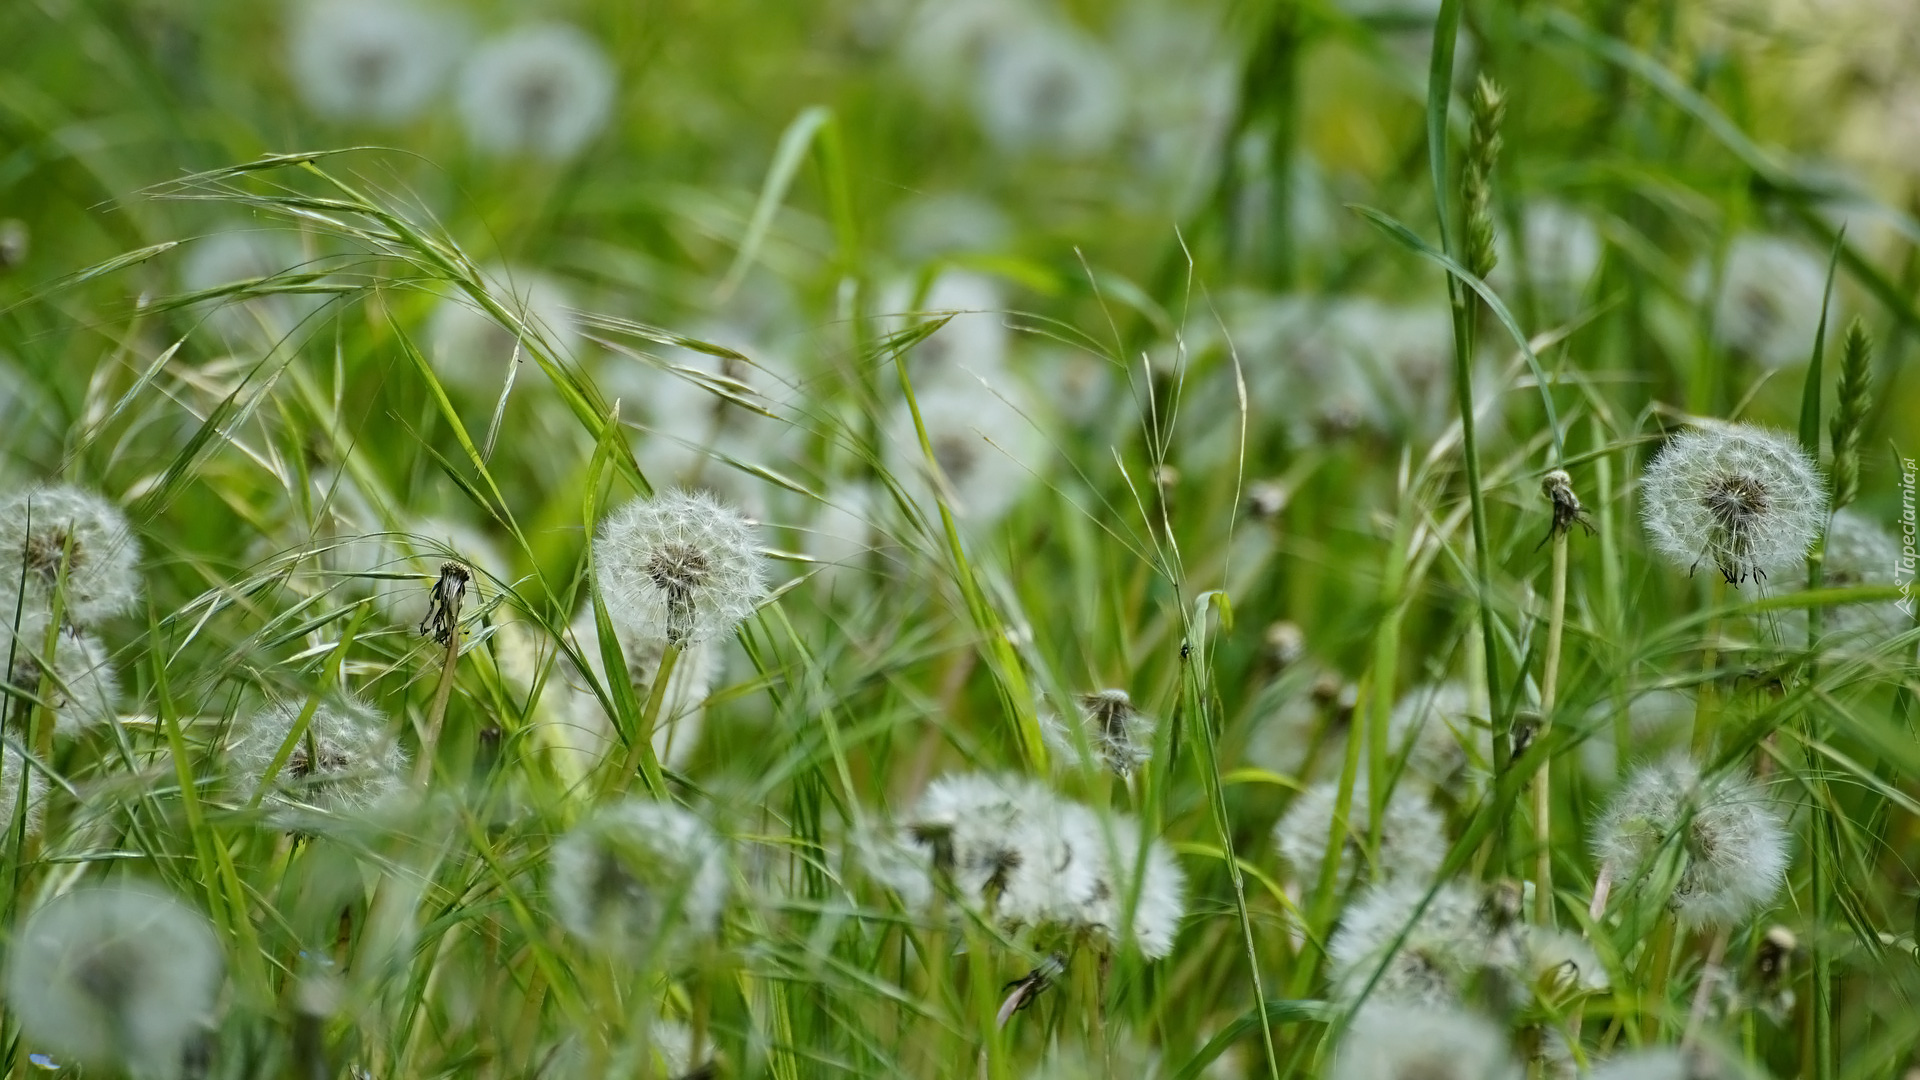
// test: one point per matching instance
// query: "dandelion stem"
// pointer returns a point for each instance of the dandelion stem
(442, 693)
(640, 756)
(1706, 713)
(1542, 780)
(1702, 994)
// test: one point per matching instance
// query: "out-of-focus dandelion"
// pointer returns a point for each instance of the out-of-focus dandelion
(974, 340)
(1451, 943)
(1392, 1041)
(1560, 966)
(1858, 553)
(242, 258)
(543, 89)
(44, 528)
(12, 769)
(1730, 841)
(1667, 1063)
(121, 976)
(376, 60)
(1770, 299)
(1562, 248)
(947, 223)
(1051, 90)
(640, 874)
(85, 690)
(1413, 841)
(1435, 729)
(1119, 734)
(1745, 499)
(344, 762)
(987, 449)
(471, 351)
(680, 567)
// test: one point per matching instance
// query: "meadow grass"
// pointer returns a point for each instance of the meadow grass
(1256, 539)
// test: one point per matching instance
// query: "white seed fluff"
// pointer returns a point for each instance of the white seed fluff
(543, 89)
(1769, 302)
(1731, 841)
(1745, 500)
(1450, 943)
(1106, 725)
(1413, 841)
(1050, 90)
(1391, 1041)
(1435, 729)
(86, 690)
(471, 350)
(640, 873)
(580, 721)
(376, 60)
(345, 762)
(679, 567)
(1859, 552)
(987, 450)
(45, 525)
(121, 976)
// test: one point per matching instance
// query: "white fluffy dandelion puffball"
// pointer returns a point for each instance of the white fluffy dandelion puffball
(42, 527)
(639, 873)
(376, 60)
(1747, 500)
(120, 976)
(344, 762)
(543, 90)
(680, 566)
(1731, 842)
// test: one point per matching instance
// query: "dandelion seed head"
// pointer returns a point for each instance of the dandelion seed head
(543, 89)
(371, 60)
(85, 689)
(1858, 552)
(1120, 735)
(1562, 247)
(640, 873)
(1451, 943)
(12, 767)
(120, 976)
(1667, 1063)
(1413, 841)
(44, 525)
(1770, 299)
(987, 451)
(1151, 881)
(579, 722)
(1731, 841)
(680, 567)
(1744, 499)
(1051, 90)
(345, 762)
(894, 860)
(1395, 1041)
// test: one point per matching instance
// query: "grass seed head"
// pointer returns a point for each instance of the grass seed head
(1744, 499)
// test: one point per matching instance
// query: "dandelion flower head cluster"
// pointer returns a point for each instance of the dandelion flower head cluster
(345, 761)
(48, 530)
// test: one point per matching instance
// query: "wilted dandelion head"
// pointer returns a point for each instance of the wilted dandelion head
(120, 976)
(345, 761)
(1050, 90)
(679, 566)
(1413, 841)
(1119, 734)
(1770, 299)
(1394, 1041)
(543, 89)
(1743, 498)
(45, 526)
(84, 690)
(639, 874)
(1729, 839)
(374, 60)
(1452, 942)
